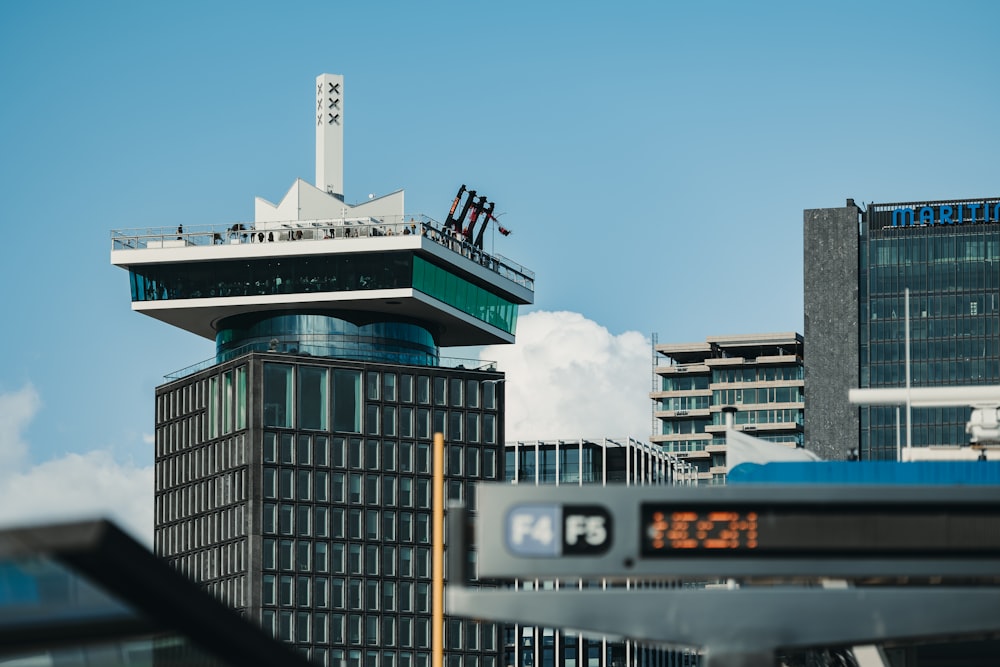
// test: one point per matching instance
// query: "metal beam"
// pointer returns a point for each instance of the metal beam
(748, 621)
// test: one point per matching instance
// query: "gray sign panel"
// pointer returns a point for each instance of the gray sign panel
(551, 530)
(533, 530)
(730, 531)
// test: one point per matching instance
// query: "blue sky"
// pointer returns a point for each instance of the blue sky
(652, 158)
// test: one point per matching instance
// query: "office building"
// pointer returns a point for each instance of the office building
(578, 462)
(293, 468)
(760, 375)
(858, 265)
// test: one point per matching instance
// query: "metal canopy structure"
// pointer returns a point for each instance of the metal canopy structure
(87, 593)
(762, 530)
(788, 533)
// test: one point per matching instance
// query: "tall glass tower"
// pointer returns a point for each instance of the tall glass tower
(293, 468)
(951, 265)
(858, 266)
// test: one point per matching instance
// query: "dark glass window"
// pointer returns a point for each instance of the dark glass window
(372, 489)
(388, 455)
(472, 427)
(455, 392)
(440, 391)
(472, 461)
(389, 490)
(322, 452)
(270, 447)
(303, 450)
(347, 401)
(278, 395)
(423, 423)
(338, 453)
(312, 398)
(371, 559)
(284, 275)
(371, 420)
(285, 452)
(372, 448)
(388, 525)
(423, 457)
(472, 393)
(406, 456)
(320, 486)
(406, 422)
(388, 420)
(389, 560)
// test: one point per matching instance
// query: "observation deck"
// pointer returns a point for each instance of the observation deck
(364, 269)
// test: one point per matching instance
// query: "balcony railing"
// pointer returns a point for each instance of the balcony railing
(442, 362)
(320, 230)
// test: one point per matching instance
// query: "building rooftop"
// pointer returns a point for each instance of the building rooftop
(747, 346)
(312, 253)
(463, 319)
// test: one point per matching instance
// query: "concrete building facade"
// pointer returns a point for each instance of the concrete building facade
(760, 375)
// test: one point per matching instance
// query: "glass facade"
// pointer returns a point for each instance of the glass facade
(323, 335)
(953, 275)
(332, 483)
(79, 595)
(586, 462)
(270, 276)
(472, 300)
(319, 273)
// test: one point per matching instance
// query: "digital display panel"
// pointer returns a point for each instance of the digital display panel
(795, 530)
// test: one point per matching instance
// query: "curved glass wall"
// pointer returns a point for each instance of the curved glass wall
(322, 335)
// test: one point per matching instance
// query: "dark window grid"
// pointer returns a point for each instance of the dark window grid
(272, 276)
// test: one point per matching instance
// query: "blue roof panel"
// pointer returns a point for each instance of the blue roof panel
(867, 472)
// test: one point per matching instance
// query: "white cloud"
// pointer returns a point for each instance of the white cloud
(70, 487)
(17, 409)
(568, 377)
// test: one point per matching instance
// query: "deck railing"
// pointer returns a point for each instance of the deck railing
(442, 362)
(320, 230)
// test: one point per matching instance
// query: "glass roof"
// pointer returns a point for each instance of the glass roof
(86, 594)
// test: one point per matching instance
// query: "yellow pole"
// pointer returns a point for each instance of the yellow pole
(437, 566)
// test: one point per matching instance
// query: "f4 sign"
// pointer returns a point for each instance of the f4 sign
(549, 530)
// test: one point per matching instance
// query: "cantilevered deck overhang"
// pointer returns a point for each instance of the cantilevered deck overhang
(476, 304)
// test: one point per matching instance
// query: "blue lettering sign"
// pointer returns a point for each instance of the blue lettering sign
(902, 217)
(947, 214)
